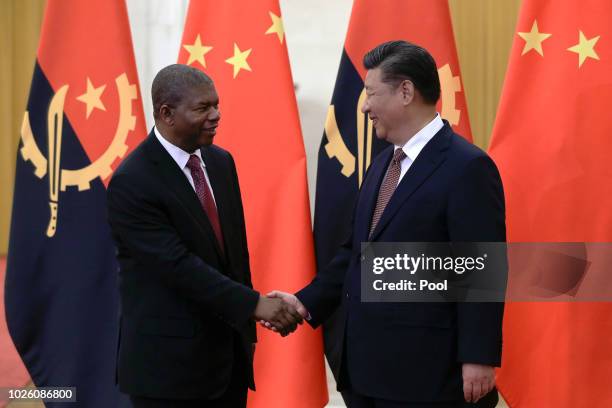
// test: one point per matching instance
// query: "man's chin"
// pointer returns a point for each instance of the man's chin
(381, 136)
(380, 133)
(206, 138)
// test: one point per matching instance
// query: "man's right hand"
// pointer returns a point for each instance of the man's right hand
(281, 315)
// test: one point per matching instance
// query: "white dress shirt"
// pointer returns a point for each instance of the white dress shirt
(181, 158)
(413, 147)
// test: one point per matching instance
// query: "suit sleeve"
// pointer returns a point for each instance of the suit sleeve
(476, 213)
(324, 293)
(322, 296)
(143, 228)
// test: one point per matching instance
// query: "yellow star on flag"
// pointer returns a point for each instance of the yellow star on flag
(197, 51)
(585, 48)
(239, 60)
(534, 39)
(91, 97)
(276, 27)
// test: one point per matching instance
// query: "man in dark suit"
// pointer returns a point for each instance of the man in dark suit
(187, 303)
(429, 186)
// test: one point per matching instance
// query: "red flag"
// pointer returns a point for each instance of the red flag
(241, 45)
(83, 116)
(551, 142)
(90, 49)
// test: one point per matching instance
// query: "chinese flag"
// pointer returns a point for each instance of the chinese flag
(84, 114)
(349, 143)
(551, 142)
(241, 45)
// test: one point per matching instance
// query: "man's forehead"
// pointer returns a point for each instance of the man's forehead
(372, 77)
(208, 87)
(203, 90)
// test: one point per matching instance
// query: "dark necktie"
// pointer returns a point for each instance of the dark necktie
(387, 187)
(205, 196)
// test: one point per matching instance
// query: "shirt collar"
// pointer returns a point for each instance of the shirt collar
(179, 155)
(413, 147)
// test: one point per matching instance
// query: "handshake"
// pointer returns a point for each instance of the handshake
(280, 312)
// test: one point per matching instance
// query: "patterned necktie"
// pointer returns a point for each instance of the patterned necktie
(387, 187)
(205, 197)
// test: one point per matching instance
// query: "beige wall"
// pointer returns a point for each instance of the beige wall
(484, 30)
(20, 22)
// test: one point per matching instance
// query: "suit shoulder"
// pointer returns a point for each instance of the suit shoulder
(460, 146)
(133, 163)
(219, 152)
(468, 158)
(463, 152)
(219, 157)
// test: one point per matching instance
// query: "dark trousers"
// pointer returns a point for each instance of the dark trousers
(234, 397)
(355, 400)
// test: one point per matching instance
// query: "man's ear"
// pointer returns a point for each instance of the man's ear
(406, 91)
(166, 114)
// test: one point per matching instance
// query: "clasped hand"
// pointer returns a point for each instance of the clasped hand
(280, 312)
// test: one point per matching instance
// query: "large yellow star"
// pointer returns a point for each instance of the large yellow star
(585, 48)
(276, 27)
(91, 97)
(197, 51)
(239, 60)
(534, 39)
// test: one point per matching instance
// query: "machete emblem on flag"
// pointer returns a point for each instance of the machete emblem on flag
(60, 178)
(336, 147)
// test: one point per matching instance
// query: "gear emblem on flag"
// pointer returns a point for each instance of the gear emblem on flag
(336, 147)
(449, 85)
(101, 167)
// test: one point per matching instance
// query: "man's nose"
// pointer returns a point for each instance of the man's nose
(365, 108)
(215, 115)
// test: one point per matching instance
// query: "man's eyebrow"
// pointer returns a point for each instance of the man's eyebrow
(206, 103)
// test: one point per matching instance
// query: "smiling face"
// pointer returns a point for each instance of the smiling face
(385, 106)
(196, 117)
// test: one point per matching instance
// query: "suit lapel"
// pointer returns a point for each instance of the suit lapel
(220, 187)
(176, 182)
(370, 192)
(430, 158)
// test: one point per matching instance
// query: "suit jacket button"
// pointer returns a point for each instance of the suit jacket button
(362, 258)
(347, 295)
